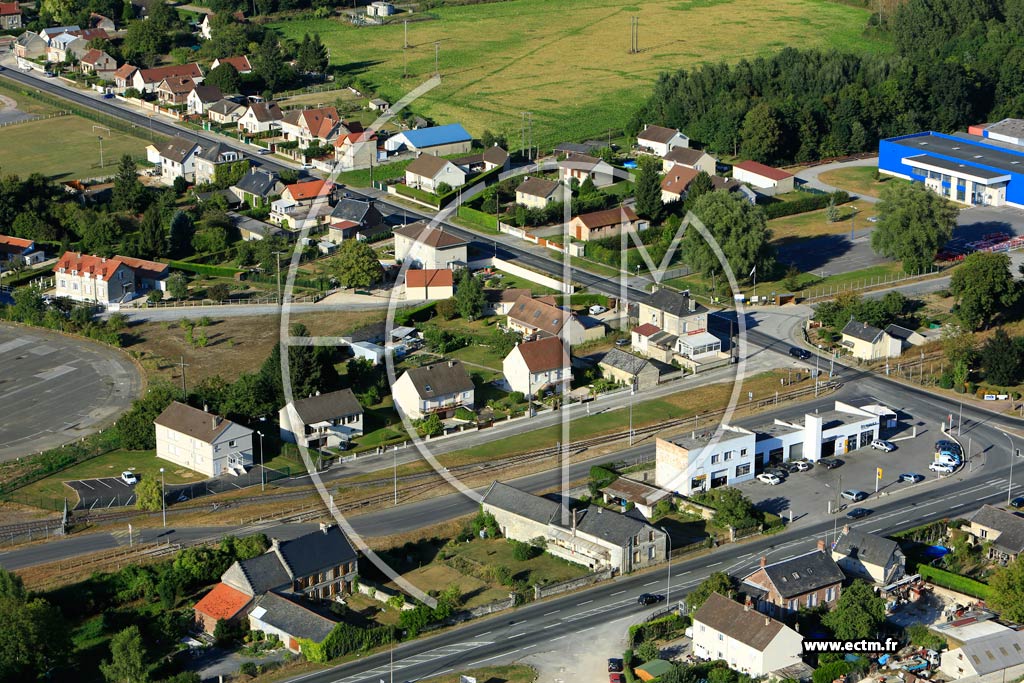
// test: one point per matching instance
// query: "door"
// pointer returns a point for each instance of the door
(719, 478)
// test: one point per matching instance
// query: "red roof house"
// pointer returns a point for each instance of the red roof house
(223, 602)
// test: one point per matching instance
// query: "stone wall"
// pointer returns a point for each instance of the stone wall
(540, 592)
(381, 594)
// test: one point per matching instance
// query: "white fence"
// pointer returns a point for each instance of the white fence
(525, 273)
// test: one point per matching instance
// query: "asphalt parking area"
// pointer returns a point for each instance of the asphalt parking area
(105, 492)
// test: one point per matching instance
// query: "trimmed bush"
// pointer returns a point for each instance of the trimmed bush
(955, 582)
(203, 269)
(811, 202)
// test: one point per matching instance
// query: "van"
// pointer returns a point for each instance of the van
(944, 459)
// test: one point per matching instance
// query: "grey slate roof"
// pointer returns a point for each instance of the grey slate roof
(748, 626)
(258, 182)
(996, 652)
(524, 504)
(327, 406)
(440, 379)
(538, 187)
(257, 575)
(686, 156)
(627, 362)
(657, 134)
(360, 211)
(899, 332)
(608, 525)
(224, 107)
(676, 303)
(293, 618)
(208, 93)
(868, 548)
(213, 152)
(804, 573)
(427, 165)
(177, 149)
(862, 331)
(315, 551)
(1009, 526)
(196, 423)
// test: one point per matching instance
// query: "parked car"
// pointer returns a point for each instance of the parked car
(1017, 502)
(830, 463)
(769, 479)
(777, 471)
(129, 478)
(108, 95)
(857, 513)
(854, 495)
(802, 354)
(614, 664)
(800, 466)
(263, 150)
(622, 342)
(597, 310)
(883, 445)
(616, 677)
(946, 444)
(649, 598)
(911, 477)
(942, 468)
(945, 452)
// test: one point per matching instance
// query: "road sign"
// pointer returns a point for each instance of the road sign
(879, 472)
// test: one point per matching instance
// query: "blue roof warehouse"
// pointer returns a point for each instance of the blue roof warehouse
(967, 169)
(439, 140)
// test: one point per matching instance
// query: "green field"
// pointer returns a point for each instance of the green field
(568, 63)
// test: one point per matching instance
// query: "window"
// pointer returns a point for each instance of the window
(721, 637)
(231, 444)
(650, 553)
(727, 456)
(703, 628)
(743, 452)
(426, 388)
(794, 604)
(984, 533)
(714, 459)
(742, 470)
(830, 594)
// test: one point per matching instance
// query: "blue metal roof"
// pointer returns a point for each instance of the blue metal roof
(438, 135)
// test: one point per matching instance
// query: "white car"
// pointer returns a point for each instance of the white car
(942, 468)
(769, 479)
(883, 445)
(597, 310)
(129, 478)
(800, 466)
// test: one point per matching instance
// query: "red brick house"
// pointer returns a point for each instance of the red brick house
(223, 602)
(782, 588)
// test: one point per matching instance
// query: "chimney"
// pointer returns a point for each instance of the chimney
(654, 288)
(275, 544)
(213, 422)
(693, 305)
(747, 604)
(764, 561)
(821, 544)
(206, 408)
(325, 527)
(767, 621)
(451, 364)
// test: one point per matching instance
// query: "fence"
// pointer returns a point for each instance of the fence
(305, 298)
(29, 119)
(812, 294)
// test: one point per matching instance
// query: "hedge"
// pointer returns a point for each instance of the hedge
(418, 314)
(955, 582)
(419, 195)
(657, 628)
(203, 269)
(804, 204)
(476, 218)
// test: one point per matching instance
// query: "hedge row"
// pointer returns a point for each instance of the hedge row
(804, 204)
(955, 582)
(203, 269)
(419, 314)
(419, 195)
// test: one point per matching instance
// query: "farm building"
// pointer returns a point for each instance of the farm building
(766, 179)
(439, 140)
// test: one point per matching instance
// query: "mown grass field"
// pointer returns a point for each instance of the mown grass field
(859, 179)
(568, 63)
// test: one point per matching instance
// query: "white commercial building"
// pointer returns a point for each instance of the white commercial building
(699, 462)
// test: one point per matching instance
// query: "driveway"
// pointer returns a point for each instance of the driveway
(809, 176)
(57, 389)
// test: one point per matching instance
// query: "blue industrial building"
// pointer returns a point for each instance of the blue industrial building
(967, 169)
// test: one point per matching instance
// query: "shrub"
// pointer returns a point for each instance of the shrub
(804, 204)
(502, 574)
(248, 669)
(521, 551)
(955, 582)
(647, 651)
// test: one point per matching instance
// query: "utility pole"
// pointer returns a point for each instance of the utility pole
(184, 389)
(406, 45)
(277, 257)
(437, 58)
(395, 466)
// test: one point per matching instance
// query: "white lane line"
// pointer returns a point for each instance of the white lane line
(586, 629)
(550, 626)
(548, 614)
(718, 563)
(618, 593)
(651, 583)
(585, 602)
(516, 635)
(875, 531)
(684, 573)
(558, 638)
(529, 646)
(483, 634)
(481, 661)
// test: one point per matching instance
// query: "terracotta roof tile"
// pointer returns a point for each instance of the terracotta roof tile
(429, 278)
(223, 602)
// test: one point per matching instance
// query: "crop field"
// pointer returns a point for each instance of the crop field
(569, 63)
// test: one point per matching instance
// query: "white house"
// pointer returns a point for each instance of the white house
(19, 250)
(867, 556)
(427, 247)
(355, 150)
(147, 80)
(322, 421)
(201, 98)
(177, 159)
(538, 366)
(84, 277)
(537, 193)
(261, 117)
(660, 140)
(240, 62)
(746, 640)
(867, 342)
(700, 462)
(766, 179)
(985, 655)
(439, 388)
(580, 167)
(429, 285)
(201, 441)
(427, 172)
(684, 157)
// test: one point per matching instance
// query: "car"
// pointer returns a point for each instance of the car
(946, 444)
(108, 95)
(597, 310)
(263, 150)
(649, 599)
(948, 453)
(872, 219)
(802, 354)
(854, 495)
(307, 167)
(911, 477)
(830, 463)
(1017, 502)
(614, 664)
(26, 68)
(616, 677)
(49, 74)
(777, 471)
(857, 513)
(769, 479)
(883, 445)
(129, 478)
(942, 468)
(800, 466)
(622, 342)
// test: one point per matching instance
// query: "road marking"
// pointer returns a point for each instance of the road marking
(651, 583)
(618, 593)
(484, 634)
(529, 646)
(550, 626)
(875, 531)
(517, 635)
(481, 661)
(558, 638)
(716, 564)
(586, 629)
(585, 602)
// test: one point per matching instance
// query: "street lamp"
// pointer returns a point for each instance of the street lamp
(816, 380)
(100, 138)
(668, 581)
(263, 477)
(163, 497)
(1009, 487)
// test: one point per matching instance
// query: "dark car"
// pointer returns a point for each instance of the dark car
(914, 477)
(779, 472)
(857, 513)
(830, 463)
(649, 599)
(614, 665)
(1017, 502)
(802, 354)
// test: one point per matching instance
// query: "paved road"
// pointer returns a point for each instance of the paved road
(56, 389)
(811, 179)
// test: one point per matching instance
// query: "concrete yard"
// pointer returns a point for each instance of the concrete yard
(56, 389)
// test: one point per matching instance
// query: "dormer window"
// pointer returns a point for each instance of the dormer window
(427, 388)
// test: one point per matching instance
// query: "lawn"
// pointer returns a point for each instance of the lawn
(492, 674)
(143, 463)
(497, 59)
(861, 180)
(494, 552)
(507, 281)
(65, 148)
(815, 223)
(438, 576)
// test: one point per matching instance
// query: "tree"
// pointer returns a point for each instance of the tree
(144, 42)
(429, 426)
(740, 230)
(717, 582)
(733, 509)
(12, 585)
(177, 286)
(312, 55)
(127, 663)
(1007, 585)
(269, 63)
(649, 650)
(469, 296)
(226, 77)
(34, 639)
(447, 309)
(983, 285)
(152, 236)
(100, 233)
(135, 428)
(913, 224)
(128, 193)
(356, 265)
(858, 614)
(149, 494)
(957, 344)
(182, 230)
(761, 134)
(218, 291)
(1000, 358)
(648, 188)
(832, 211)
(701, 184)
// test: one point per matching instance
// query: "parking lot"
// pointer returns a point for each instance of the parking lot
(102, 493)
(811, 492)
(110, 492)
